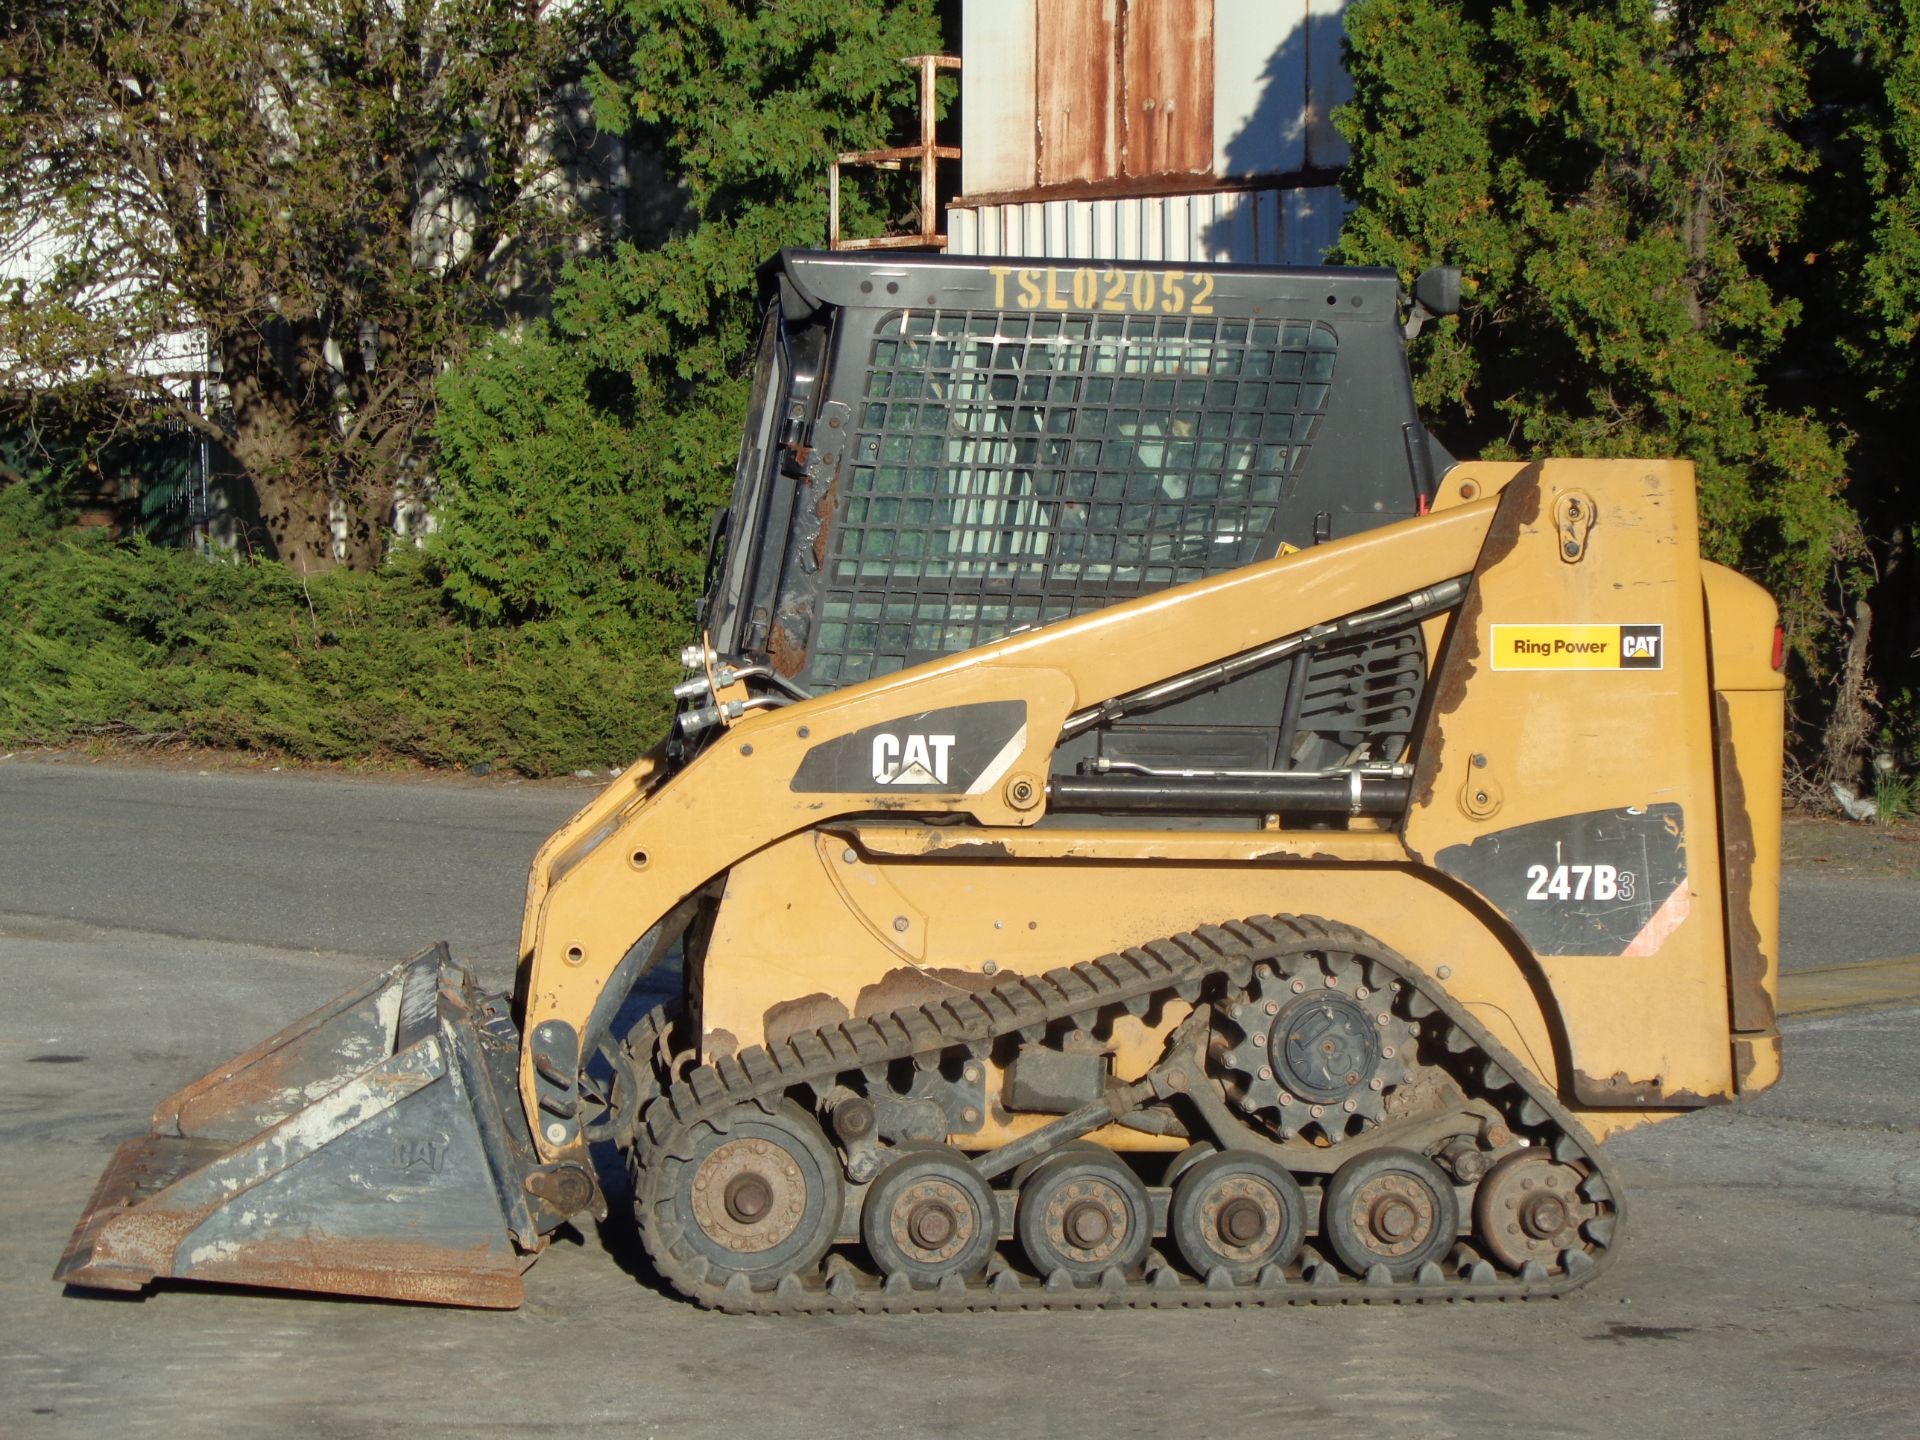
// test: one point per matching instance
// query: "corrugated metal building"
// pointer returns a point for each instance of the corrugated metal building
(1178, 130)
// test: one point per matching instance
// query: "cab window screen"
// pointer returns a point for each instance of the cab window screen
(1013, 469)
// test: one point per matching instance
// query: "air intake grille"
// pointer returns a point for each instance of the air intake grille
(1366, 692)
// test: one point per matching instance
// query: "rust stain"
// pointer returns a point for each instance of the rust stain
(1167, 70)
(788, 655)
(719, 1045)
(898, 989)
(1618, 1090)
(1076, 55)
(276, 1084)
(1753, 1007)
(145, 1238)
(823, 511)
(1519, 507)
(260, 1074)
(974, 850)
(797, 1017)
(479, 1275)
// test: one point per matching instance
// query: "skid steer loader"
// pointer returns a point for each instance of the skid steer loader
(1142, 825)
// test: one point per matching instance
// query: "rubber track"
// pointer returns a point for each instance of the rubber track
(1179, 965)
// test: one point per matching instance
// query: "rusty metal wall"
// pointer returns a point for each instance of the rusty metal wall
(1166, 124)
(1250, 227)
(1092, 92)
(1077, 94)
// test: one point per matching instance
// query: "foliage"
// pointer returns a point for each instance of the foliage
(1872, 223)
(334, 191)
(552, 504)
(635, 389)
(1623, 185)
(1894, 796)
(137, 639)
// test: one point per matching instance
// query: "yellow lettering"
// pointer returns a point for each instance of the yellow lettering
(1086, 288)
(1116, 291)
(1200, 296)
(1055, 300)
(1144, 289)
(1174, 298)
(1029, 289)
(1000, 273)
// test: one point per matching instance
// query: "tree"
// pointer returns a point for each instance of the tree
(629, 404)
(335, 192)
(1623, 187)
(1860, 272)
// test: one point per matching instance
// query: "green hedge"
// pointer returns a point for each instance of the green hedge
(129, 638)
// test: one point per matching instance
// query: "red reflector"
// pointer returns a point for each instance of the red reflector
(1779, 646)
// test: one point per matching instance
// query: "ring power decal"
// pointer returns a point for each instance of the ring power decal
(1579, 647)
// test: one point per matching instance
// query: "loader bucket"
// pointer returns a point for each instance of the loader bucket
(367, 1149)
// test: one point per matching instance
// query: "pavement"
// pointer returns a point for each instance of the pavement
(153, 922)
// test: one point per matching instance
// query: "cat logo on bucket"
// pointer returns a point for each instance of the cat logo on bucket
(910, 759)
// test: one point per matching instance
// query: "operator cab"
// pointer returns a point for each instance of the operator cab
(941, 451)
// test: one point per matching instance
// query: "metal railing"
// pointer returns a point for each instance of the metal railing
(927, 154)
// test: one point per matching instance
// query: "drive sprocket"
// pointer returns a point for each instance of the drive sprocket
(1314, 1044)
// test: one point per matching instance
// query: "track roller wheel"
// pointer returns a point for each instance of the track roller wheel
(1529, 1207)
(1083, 1213)
(1186, 1160)
(759, 1193)
(1238, 1212)
(1391, 1208)
(930, 1215)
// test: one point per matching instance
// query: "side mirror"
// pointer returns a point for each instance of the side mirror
(1435, 293)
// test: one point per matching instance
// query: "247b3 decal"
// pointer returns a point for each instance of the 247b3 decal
(1579, 882)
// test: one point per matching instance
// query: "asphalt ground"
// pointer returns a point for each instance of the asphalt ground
(155, 922)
